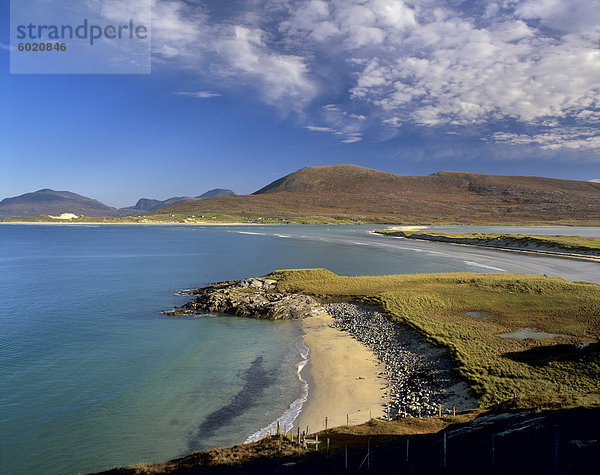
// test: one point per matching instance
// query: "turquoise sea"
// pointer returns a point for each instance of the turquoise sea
(92, 375)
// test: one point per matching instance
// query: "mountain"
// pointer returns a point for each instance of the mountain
(147, 204)
(52, 202)
(370, 195)
(216, 192)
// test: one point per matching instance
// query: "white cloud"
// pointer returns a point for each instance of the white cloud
(392, 62)
(468, 75)
(231, 55)
(313, 128)
(595, 180)
(584, 138)
(6, 47)
(348, 137)
(199, 94)
(562, 15)
(352, 138)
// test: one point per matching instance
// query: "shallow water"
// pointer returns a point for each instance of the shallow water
(479, 315)
(94, 376)
(524, 333)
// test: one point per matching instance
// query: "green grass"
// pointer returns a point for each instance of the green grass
(567, 243)
(527, 372)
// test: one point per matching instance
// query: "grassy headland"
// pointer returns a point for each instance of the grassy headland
(528, 372)
(537, 395)
(555, 243)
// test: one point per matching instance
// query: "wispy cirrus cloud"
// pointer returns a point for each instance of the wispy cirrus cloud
(314, 128)
(199, 94)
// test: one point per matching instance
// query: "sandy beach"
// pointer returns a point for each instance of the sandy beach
(343, 378)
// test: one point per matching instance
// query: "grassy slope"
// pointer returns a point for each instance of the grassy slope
(529, 372)
(568, 243)
(353, 194)
(372, 196)
(525, 443)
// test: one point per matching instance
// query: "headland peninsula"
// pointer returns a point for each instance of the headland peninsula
(503, 367)
(582, 247)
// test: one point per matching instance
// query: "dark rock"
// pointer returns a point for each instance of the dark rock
(253, 298)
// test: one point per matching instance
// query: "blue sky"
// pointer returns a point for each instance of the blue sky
(243, 92)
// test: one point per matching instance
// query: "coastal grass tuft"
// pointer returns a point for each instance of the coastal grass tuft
(561, 371)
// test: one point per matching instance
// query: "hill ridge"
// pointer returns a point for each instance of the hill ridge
(364, 194)
(51, 202)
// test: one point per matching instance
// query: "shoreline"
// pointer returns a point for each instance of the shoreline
(343, 376)
(165, 223)
(501, 248)
(399, 227)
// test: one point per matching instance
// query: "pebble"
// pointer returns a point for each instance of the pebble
(418, 373)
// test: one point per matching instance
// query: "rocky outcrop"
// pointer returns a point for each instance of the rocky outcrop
(254, 298)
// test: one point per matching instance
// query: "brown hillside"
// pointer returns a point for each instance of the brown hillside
(371, 195)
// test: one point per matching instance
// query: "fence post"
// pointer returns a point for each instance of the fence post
(407, 444)
(278, 429)
(440, 410)
(327, 447)
(325, 423)
(347, 420)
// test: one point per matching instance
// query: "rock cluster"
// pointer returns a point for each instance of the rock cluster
(419, 374)
(254, 298)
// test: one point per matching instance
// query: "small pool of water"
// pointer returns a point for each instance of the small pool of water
(523, 333)
(479, 315)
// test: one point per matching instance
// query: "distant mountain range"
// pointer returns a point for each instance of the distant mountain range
(374, 196)
(146, 204)
(52, 202)
(361, 194)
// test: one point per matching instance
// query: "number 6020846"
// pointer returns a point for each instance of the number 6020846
(48, 47)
